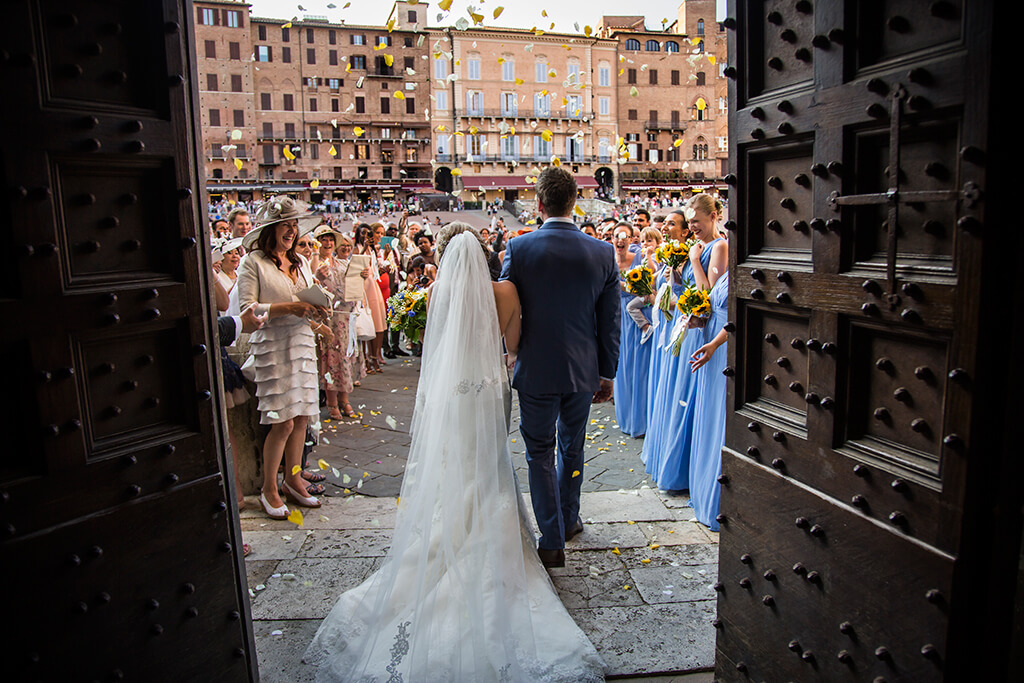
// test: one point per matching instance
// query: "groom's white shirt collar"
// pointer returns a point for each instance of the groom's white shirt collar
(559, 219)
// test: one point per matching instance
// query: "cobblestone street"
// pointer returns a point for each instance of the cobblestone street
(638, 580)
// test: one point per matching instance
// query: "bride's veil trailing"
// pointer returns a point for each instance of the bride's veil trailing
(461, 595)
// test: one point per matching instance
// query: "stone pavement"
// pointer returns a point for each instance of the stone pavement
(638, 580)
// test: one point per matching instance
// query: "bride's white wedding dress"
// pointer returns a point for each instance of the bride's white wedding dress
(461, 595)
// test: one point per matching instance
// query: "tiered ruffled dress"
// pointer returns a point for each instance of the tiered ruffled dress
(284, 349)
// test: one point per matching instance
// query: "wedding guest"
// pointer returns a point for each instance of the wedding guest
(306, 246)
(641, 219)
(239, 222)
(337, 369)
(425, 242)
(373, 297)
(284, 350)
(710, 408)
(631, 377)
(663, 409)
(670, 468)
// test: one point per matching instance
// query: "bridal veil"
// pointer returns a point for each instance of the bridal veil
(461, 594)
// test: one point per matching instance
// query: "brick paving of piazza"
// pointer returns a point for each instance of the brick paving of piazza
(660, 624)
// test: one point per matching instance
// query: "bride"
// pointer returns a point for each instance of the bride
(461, 594)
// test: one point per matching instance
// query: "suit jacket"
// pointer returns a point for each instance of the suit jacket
(568, 285)
(228, 328)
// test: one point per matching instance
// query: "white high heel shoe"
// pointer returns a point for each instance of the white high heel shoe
(304, 501)
(272, 512)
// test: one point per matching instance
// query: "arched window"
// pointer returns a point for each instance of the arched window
(633, 45)
(700, 46)
(671, 46)
(653, 46)
(700, 27)
(700, 150)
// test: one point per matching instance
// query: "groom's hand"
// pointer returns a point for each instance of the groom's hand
(604, 394)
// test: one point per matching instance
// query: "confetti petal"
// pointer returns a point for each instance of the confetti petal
(295, 517)
(358, 131)
(323, 464)
(578, 211)
(296, 469)
(575, 473)
(332, 151)
(399, 95)
(238, 164)
(315, 183)
(497, 11)
(616, 551)
(288, 154)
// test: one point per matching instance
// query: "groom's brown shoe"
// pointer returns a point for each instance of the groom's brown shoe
(575, 529)
(551, 558)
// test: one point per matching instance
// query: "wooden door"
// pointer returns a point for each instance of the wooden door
(121, 551)
(858, 501)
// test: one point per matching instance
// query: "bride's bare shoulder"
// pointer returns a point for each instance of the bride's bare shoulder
(504, 289)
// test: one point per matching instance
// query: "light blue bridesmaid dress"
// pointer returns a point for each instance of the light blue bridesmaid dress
(709, 408)
(666, 456)
(633, 371)
(661, 376)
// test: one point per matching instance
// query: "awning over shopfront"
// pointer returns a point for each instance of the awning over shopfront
(422, 187)
(585, 181)
(502, 182)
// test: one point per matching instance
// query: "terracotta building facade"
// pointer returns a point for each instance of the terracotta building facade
(334, 111)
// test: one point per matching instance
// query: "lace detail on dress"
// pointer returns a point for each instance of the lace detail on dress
(398, 652)
(465, 385)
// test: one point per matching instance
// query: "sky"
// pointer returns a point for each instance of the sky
(516, 13)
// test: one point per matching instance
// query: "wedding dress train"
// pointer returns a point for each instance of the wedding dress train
(461, 594)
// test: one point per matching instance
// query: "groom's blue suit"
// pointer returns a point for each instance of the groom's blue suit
(568, 286)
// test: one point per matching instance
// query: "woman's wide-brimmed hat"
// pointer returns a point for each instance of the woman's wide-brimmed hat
(277, 209)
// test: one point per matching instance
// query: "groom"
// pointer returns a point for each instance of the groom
(568, 286)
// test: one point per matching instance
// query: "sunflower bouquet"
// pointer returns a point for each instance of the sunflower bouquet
(695, 305)
(672, 253)
(640, 281)
(407, 313)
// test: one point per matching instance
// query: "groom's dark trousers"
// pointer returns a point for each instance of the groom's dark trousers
(568, 286)
(552, 470)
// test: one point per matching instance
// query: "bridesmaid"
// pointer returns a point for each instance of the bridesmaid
(374, 298)
(709, 259)
(631, 377)
(709, 407)
(663, 410)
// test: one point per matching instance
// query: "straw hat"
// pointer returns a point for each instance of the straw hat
(277, 209)
(230, 245)
(327, 230)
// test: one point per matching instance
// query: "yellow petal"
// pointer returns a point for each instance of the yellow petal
(677, 142)
(238, 164)
(711, 58)
(543, 12)
(332, 151)
(477, 18)
(655, 546)
(701, 104)
(399, 95)
(315, 183)
(389, 60)
(519, 81)
(358, 131)
(398, 500)
(445, 5)
(473, 130)
(616, 551)
(587, 30)
(555, 161)
(497, 11)
(646, 560)
(295, 516)
(579, 211)
(546, 135)
(296, 469)
(565, 101)
(391, 26)
(288, 153)
(552, 73)
(625, 588)
(575, 473)
(501, 60)
(323, 464)
(630, 522)
(456, 171)
(543, 93)
(288, 25)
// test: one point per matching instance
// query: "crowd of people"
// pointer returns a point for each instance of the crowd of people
(306, 355)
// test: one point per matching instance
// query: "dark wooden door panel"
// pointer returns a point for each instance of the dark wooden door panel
(825, 599)
(117, 532)
(859, 158)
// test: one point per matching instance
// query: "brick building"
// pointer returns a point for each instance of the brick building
(508, 102)
(330, 111)
(672, 97)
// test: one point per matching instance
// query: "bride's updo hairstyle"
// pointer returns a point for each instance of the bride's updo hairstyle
(451, 230)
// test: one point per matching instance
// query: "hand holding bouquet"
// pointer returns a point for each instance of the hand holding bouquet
(640, 281)
(695, 305)
(672, 253)
(407, 312)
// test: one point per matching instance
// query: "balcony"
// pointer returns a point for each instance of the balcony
(521, 114)
(705, 170)
(508, 158)
(656, 124)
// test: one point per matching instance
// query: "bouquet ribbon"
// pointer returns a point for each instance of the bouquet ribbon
(663, 302)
